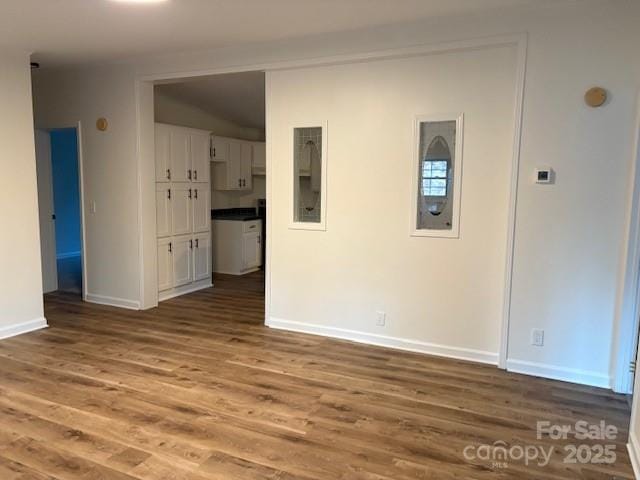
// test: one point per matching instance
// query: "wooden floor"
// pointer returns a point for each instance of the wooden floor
(199, 389)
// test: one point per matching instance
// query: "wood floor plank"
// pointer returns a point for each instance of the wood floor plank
(200, 389)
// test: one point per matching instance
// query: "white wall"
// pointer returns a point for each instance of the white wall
(21, 307)
(173, 111)
(62, 99)
(569, 236)
(567, 265)
(367, 261)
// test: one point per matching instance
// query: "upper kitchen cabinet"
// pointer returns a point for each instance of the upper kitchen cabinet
(163, 153)
(219, 149)
(234, 173)
(234, 163)
(259, 165)
(200, 156)
(182, 154)
(180, 148)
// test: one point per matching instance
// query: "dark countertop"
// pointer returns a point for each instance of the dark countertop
(235, 214)
(237, 218)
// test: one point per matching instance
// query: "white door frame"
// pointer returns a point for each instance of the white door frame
(78, 128)
(146, 163)
(628, 302)
(46, 211)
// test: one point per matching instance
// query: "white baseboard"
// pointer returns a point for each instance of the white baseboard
(192, 287)
(238, 274)
(634, 454)
(24, 327)
(62, 256)
(386, 341)
(112, 301)
(573, 375)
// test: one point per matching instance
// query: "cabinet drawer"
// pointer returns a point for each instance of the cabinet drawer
(251, 226)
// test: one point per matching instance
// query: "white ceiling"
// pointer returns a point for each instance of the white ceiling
(238, 97)
(77, 31)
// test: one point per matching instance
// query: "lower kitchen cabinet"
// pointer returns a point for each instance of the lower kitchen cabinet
(184, 264)
(237, 246)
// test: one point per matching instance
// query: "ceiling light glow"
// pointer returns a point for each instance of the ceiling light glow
(140, 1)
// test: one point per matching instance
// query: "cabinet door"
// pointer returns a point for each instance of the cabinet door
(163, 210)
(251, 250)
(201, 208)
(234, 180)
(180, 157)
(259, 157)
(245, 165)
(181, 208)
(165, 264)
(182, 260)
(163, 153)
(200, 145)
(201, 256)
(220, 149)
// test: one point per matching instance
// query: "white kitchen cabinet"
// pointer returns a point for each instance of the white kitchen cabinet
(246, 155)
(259, 165)
(180, 152)
(163, 153)
(237, 246)
(182, 260)
(200, 157)
(251, 251)
(164, 225)
(235, 170)
(201, 207)
(201, 256)
(220, 149)
(165, 264)
(181, 208)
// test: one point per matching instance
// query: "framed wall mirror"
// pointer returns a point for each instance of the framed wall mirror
(309, 174)
(437, 176)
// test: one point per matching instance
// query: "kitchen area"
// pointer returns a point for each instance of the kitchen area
(238, 169)
(210, 183)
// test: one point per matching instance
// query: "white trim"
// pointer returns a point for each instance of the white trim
(554, 372)
(112, 301)
(192, 287)
(406, 344)
(24, 327)
(341, 59)
(628, 301)
(244, 272)
(457, 175)
(139, 204)
(62, 256)
(293, 224)
(513, 200)
(83, 233)
(268, 190)
(634, 455)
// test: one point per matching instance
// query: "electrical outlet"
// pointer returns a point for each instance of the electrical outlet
(537, 337)
(381, 318)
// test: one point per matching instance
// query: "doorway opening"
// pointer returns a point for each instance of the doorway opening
(59, 198)
(210, 163)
